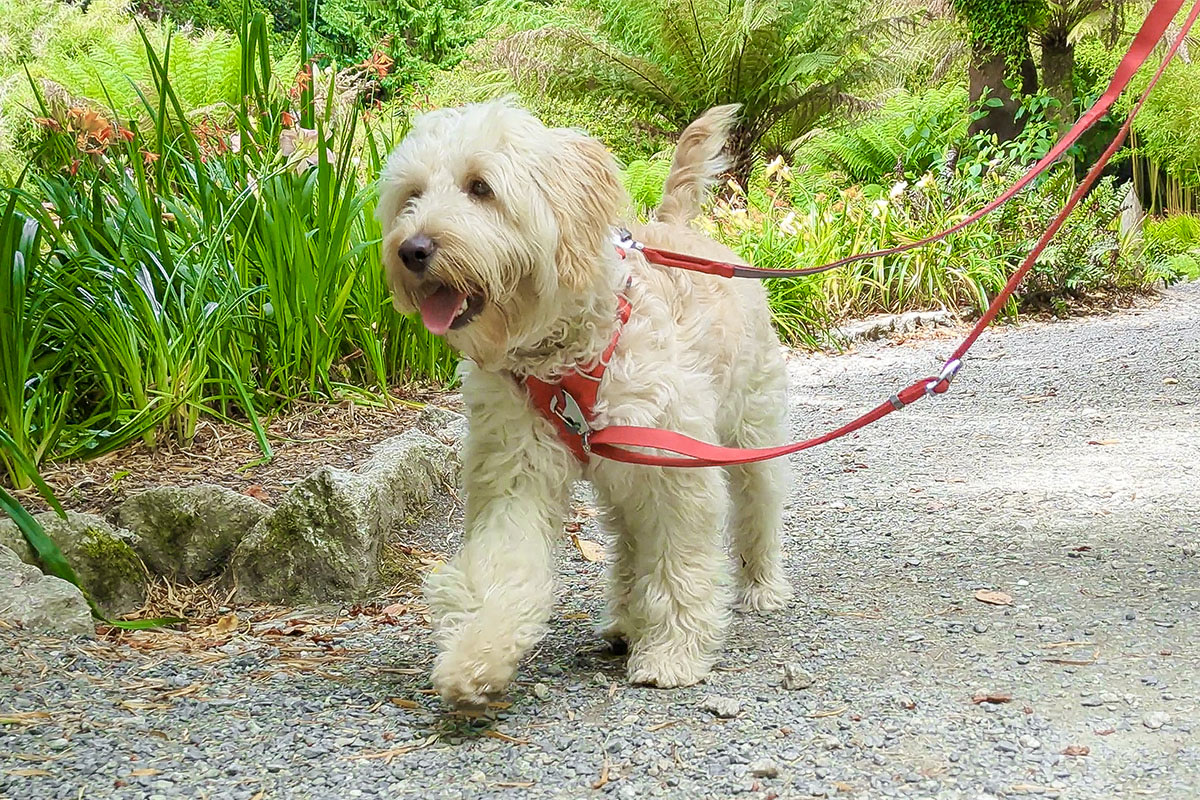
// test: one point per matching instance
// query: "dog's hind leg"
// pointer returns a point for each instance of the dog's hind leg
(677, 608)
(622, 572)
(757, 493)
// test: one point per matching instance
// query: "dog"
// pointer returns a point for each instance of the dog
(497, 231)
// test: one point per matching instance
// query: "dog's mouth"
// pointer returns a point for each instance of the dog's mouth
(446, 309)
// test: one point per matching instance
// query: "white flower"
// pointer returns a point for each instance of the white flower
(926, 181)
(774, 167)
(788, 224)
(898, 189)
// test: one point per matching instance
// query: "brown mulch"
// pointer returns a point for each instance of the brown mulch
(308, 437)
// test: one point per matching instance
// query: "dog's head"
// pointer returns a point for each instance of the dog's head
(492, 222)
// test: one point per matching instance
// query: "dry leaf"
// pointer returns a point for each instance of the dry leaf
(257, 492)
(603, 779)
(23, 717)
(1103, 442)
(591, 551)
(1076, 750)
(1170, 381)
(29, 772)
(1105, 731)
(993, 598)
(227, 623)
(141, 773)
(504, 737)
(843, 787)
(991, 697)
(394, 610)
(403, 702)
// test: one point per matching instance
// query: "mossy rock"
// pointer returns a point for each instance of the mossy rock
(103, 557)
(189, 531)
(323, 541)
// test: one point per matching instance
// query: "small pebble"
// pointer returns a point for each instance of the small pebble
(541, 691)
(724, 707)
(1156, 719)
(796, 677)
(764, 768)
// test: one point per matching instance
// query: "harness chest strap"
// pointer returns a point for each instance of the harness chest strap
(569, 403)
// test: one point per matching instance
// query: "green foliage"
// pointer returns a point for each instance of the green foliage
(195, 270)
(1165, 128)
(787, 62)
(644, 181)
(1172, 247)
(416, 37)
(910, 134)
(1087, 255)
(1001, 27)
(630, 131)
(227, 14)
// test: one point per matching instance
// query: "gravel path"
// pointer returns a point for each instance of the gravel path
(1062, 470)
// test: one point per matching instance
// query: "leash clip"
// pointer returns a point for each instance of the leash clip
(623, 239)
(949, 370)
(565, 407)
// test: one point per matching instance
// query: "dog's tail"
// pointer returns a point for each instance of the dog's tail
(697, 165)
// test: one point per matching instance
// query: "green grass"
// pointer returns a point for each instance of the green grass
(173, 276)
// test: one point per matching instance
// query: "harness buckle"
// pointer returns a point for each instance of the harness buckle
(623, 239)
(949, 370)
(565, 407)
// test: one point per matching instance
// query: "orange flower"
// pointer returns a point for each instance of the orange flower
(47, 122)
(127, 134)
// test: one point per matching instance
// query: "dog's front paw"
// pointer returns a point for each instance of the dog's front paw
(667, 668)
(470, 681)
(764, 596)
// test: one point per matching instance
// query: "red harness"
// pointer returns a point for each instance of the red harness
(570, 402)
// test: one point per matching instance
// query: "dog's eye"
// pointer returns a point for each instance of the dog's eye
(479, 188)
(412, 199)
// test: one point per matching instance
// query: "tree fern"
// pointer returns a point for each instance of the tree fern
(785, 61)
(910, 132)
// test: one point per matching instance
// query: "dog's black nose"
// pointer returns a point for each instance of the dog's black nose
(417, 251)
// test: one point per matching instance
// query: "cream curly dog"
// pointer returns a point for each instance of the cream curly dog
(497, 230)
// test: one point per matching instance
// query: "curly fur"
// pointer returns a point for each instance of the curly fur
(698, 356)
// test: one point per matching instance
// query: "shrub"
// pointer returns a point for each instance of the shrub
(1172, 246)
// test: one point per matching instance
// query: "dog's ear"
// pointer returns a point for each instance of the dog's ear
(587, 199)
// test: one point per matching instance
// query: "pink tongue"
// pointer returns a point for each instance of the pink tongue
(440, 308)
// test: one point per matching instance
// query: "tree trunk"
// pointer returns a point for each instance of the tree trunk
(741, 153)
(1058, 76)
(987, 72)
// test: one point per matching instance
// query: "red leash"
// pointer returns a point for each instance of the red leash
(612, 443)
(1147, 37)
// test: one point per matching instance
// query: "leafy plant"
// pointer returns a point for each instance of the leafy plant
(908, 136)
(190, 266)
(787, 62)
(1172, 247)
